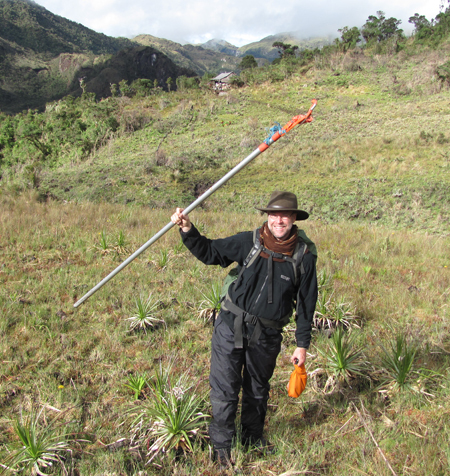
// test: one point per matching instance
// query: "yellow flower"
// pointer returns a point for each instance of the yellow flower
(60, 387)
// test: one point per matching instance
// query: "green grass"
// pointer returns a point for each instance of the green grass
(374, 177)
(90, 352)
(369, 151)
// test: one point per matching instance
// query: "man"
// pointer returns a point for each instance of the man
(247, 333)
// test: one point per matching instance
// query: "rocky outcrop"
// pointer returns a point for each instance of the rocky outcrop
(131, 64)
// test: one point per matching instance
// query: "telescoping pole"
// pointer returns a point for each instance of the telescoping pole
(262, 147)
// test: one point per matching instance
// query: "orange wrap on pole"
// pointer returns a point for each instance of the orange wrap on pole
(297, 382)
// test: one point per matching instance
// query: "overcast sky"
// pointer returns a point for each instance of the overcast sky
(237, 21)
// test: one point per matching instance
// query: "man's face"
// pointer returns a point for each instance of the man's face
(280, 223)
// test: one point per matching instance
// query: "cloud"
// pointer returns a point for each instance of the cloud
(237, 21)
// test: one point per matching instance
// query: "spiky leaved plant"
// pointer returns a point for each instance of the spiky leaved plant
(331, 314)
(120, 245)
(172, 418)
(398, 360)
(41, 446)
(137, 384)
(342, 358)
(211, 302)
(144, 314)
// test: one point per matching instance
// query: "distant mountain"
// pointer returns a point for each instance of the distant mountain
(264, 48)
(198, 58)
(221, 46)
(43, 57)
(217, 56)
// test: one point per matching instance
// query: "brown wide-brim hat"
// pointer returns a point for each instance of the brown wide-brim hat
(284, 202)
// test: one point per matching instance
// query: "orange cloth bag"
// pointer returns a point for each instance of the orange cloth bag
(297, 382)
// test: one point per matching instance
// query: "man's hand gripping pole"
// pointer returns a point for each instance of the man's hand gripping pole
(296, 120)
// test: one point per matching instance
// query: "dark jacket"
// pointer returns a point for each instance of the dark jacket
(250, 291)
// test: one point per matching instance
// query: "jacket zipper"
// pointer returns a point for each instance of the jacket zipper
(260, 292)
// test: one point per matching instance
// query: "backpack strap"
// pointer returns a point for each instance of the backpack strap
(252, 255)
(298, 255)
(258, 322)
(297, 263)
(296, 260)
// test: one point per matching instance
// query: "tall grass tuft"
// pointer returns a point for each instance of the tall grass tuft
(120, 245)
(162, 260)
(103, 243)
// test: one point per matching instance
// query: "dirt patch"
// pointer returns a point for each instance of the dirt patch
(201, 187)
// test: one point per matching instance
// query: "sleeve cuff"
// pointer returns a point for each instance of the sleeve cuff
(302, 344)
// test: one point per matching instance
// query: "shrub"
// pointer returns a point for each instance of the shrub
(443, 72)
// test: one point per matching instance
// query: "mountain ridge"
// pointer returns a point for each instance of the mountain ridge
(43, 57)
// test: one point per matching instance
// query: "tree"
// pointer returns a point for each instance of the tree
(389, 28)
(82, 84)
(349, 37)
(141, 87)
(423, 28)
(442, 24)
(378, 28)
(114, 89)
(125, 89)
(285, 50)
(247, 62)
(169, 82)
(183, 83)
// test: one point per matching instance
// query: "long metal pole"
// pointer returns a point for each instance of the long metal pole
(262, 147)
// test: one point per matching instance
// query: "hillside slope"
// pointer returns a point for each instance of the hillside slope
(377, 149)
(43, 56)
(32, 27)
(86, 183)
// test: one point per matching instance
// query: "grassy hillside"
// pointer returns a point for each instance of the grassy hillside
(31, 26)
(84, 184)
(377, 149)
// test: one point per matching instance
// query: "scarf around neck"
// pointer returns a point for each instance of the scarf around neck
(286, 247)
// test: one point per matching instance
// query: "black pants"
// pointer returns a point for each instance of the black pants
(232, 369)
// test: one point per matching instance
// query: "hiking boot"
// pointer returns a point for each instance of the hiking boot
(260, 445)
(222, 456)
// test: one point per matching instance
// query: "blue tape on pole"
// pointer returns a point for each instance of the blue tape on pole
(276, 128)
